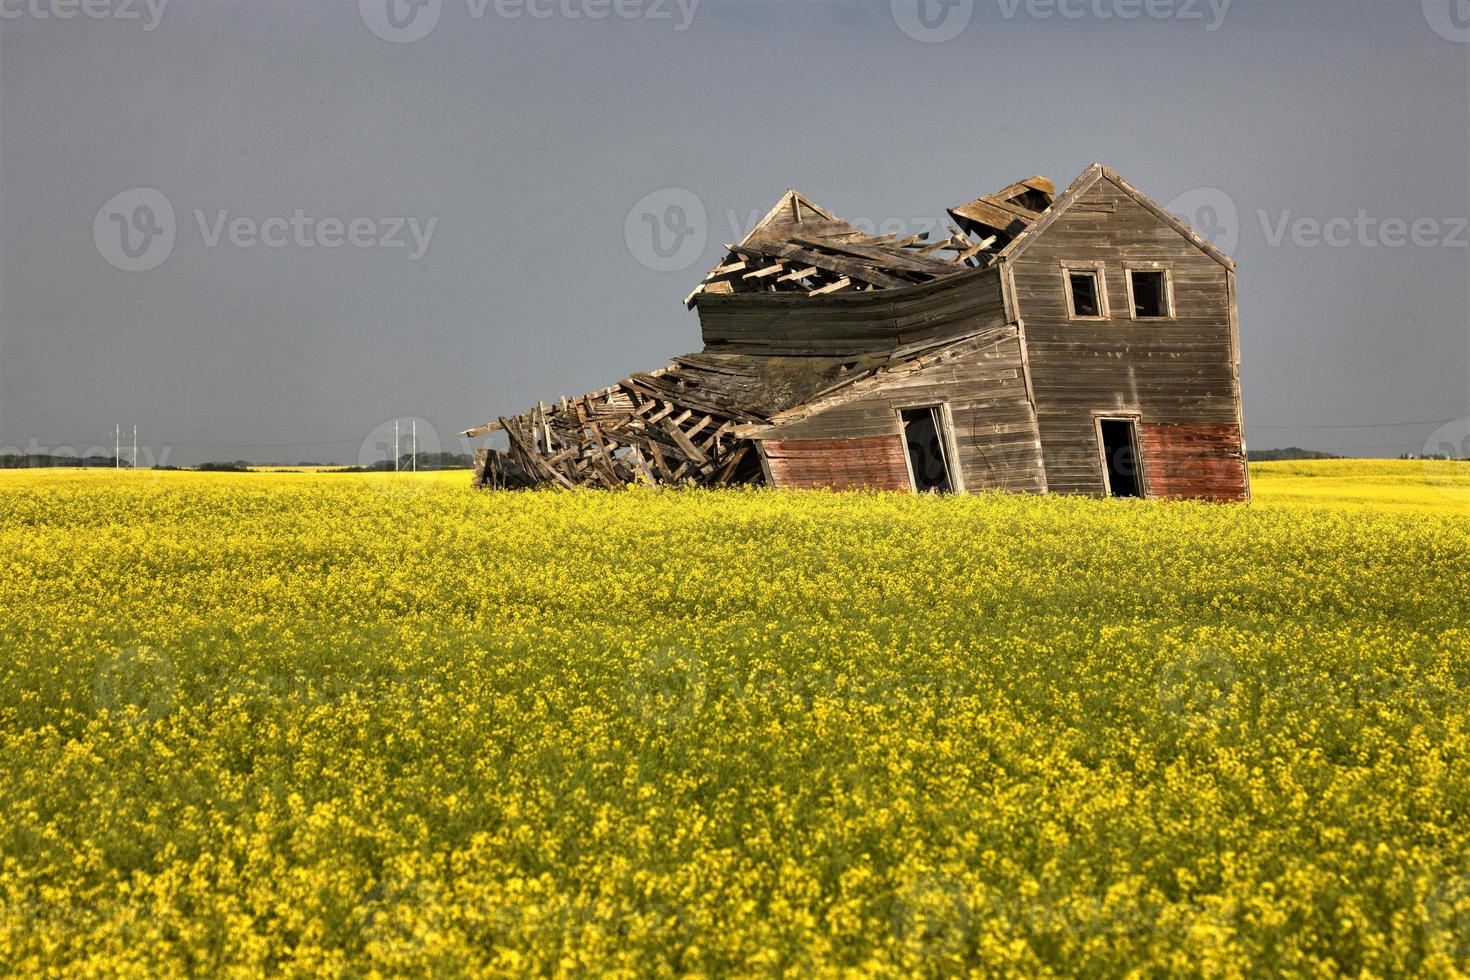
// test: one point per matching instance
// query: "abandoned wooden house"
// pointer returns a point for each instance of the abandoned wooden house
(1082, 344)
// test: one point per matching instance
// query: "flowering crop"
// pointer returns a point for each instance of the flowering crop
(324, 723)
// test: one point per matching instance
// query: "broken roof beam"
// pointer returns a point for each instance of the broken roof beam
(982, 217)
(1009, 211)
(851, 268)
(890, 259)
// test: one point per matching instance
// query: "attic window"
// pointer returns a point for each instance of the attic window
(1086, 296)
(1148, 291)
(1084, 293)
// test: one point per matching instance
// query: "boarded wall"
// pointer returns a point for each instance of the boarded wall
(851, 322)
(1184, 460)
(863, 463)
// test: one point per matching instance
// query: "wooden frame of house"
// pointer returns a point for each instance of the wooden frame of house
(1086, 343)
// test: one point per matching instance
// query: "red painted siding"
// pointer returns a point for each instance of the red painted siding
(868, 462)
(1193, 460)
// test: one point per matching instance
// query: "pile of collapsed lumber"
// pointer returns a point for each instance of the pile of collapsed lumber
(675, 425)
(632, 432)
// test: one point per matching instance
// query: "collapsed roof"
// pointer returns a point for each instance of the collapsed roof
(801, 247)
(679, 424)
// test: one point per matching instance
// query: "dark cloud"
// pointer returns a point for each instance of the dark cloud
(295, 146)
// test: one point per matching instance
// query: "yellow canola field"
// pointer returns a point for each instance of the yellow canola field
(332, 723)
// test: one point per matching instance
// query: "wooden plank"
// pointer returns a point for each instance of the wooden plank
(681, 440)
(851, 268)
(889, 259)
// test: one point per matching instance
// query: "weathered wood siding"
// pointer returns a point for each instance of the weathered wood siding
(1178, 371)
(994, 430)
(862, 463)
(851, 322)
(1183, 460)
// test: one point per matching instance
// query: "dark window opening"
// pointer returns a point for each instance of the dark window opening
(923, 432)
(1084, 294)
(1149, 298)
(1120, 455)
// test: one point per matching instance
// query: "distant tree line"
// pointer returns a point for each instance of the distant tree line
(427, 461)
(1281, 455)
(25, 461)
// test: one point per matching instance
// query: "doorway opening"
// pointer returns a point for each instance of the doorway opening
(923, 433)
(1120, 457)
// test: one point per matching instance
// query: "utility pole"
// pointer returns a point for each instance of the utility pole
(415, 445)
(135, 445)
(116, 446)
(395, 445)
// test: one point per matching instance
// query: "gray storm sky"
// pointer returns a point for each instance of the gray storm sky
(532, 132)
